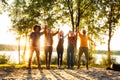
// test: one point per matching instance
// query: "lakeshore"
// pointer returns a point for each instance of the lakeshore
(14, 55)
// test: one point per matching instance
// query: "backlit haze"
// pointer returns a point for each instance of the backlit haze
(8, 37)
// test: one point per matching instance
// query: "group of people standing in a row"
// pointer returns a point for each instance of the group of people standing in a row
(35, 46)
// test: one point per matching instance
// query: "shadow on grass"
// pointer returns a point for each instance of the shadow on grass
(79, 76)
(29, 75)
(42, 75)
(5, 71)
(57, 75)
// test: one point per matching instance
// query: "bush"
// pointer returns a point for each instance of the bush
(54, 60)
(4, 59)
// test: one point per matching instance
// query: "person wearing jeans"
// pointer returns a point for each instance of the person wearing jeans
(70, 50)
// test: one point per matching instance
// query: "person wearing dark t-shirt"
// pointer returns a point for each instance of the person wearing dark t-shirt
(70, 50)
(60, 48)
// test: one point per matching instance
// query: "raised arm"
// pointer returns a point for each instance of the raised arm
(55, 33)
(79, 33)
(91, 41)
(43, 32)
(66, 35)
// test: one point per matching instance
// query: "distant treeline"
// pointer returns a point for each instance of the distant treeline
(7, 47)
(113, 52)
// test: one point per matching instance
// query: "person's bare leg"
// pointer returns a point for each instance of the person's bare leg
(38, 57)
(30, 58)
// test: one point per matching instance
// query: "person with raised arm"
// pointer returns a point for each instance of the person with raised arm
(48, 45)
(70, 49)
(60, 48)
(84, 47)
(34, 40)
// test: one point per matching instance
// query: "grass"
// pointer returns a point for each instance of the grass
(24, 66)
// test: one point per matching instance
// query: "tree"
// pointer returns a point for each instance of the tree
(108, 11)
(3, 4)
(94, 14)
(24, 14)
(21, 22)
(80, 14)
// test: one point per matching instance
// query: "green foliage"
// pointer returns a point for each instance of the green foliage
(4, 59)
(34, 60)
(54, 60)
(65, 60)
(94, 15)
(42, 58)
(91, 60)
(104, 62)
(4, 47)
(3, 5)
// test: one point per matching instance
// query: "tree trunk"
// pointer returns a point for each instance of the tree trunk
(24, 52)
(109, 51)
(70, 7)
(109, 40)
(19, 49)
(77, 26)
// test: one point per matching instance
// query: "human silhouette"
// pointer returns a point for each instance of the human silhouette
(60, 48)
(48, 45)
(84, 47)
(70, 50)
(34, 41)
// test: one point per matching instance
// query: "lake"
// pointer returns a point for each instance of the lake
(14, 56)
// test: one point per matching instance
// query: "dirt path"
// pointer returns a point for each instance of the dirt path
(57, 74)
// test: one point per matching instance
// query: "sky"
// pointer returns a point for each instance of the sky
(115, 42)
(7, 37)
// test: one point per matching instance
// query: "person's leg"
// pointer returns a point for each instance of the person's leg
(46, 56)
(68, 58)
(38, 57)
(50, 54)
(61, 57)
(58, 59)
(79, 56)
(86, 56)
(58, 53)
(61, 54)
(72, 58)
(30, 57)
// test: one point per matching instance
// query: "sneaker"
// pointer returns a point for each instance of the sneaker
(87, 68)
(78, 67)
(48, 67)
(29, 68)
(39, 67)
(72, 68)
(68, 67)
(59, 67)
